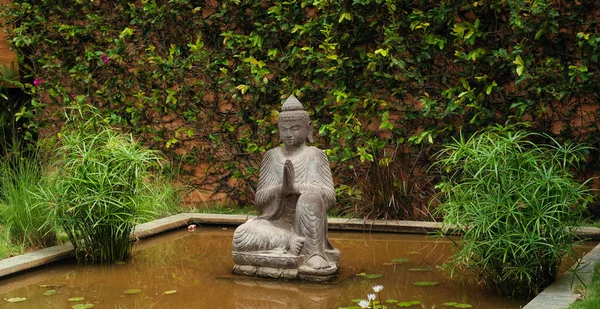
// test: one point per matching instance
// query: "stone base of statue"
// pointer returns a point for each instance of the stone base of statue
(281, 265)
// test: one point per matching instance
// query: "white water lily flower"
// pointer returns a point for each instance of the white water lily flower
(371, 297)
(377, 288)
(364, 303)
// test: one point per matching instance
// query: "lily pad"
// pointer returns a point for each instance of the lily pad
(16, 299)
(413, 252)
(391, 301)
(50, 292)
(76, 299)
(408, 303)
(399, 260)
(457, 305)
(169, 292)
(83, 306)
(131, 291)
(426, 283)
(51, 286)
(420, 269)
(370, 276)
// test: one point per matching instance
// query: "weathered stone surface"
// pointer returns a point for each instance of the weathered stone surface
(295, 191)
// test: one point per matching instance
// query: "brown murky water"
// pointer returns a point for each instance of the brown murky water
(197, 266)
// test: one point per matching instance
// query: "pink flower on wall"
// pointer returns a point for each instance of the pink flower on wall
(38, 81)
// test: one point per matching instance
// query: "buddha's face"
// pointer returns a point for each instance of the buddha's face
(293, 133)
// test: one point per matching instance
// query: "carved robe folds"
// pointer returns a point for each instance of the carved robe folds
(289, 237)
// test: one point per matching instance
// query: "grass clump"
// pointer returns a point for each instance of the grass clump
(103, 187)
(515, 203)
(22, 212)
(591, 293)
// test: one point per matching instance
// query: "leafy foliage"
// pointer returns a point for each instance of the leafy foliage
(203, 80)
(515, 203)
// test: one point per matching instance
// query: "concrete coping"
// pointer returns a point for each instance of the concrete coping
(557, 295)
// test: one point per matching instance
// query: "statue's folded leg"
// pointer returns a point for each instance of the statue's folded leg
(260, 235)
(311, 224)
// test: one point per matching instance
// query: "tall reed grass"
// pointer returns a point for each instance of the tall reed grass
(101, 186)
(22, 212)
(516, 204)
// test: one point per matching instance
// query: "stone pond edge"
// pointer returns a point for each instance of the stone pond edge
(558, 295)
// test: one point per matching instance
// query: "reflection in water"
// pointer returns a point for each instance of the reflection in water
(270, 295)
(198, 266)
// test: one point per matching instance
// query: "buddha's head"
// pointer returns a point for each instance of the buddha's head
(295, 127)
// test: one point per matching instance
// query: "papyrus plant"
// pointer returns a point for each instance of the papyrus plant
(101, 182)
(510, 193)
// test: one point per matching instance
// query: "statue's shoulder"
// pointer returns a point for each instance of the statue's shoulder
(271, 155)
(273, 152)
(316, 152)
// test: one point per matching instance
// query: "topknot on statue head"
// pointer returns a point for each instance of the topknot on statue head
(292, 110)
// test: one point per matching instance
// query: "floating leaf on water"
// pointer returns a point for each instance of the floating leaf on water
(49, 292)
(413, 252)
(16, 299)
(400, 260)
(169, 292)
(83, 306)
(120, 263)
(408, 303)
(388, 264)
(132, 291)
(457, 305)
(425, 283)
(76, 298)
(420, 269)
(51, 286)
(351, 307)
(391, 301)
(450, 303)
(356, 300)
(370, 276)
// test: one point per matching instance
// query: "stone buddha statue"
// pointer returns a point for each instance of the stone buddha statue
(295, 190)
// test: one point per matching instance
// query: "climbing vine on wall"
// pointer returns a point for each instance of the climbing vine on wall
(203, 80)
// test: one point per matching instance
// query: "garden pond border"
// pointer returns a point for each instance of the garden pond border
(559, 294)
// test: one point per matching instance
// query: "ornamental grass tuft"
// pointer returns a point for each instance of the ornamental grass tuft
(101, 186)
(516, 204)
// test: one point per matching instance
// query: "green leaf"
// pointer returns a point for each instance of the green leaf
(169, 292)
(51, 286)
(457, 305)
(399, 260)
(370, 276)
(408, 303)
(131, 291)
(426, 283)
(450, 303)
(391, 301)
(420, 269)
(74, 299)
(16, 299)
(83, 306)
(50, 292)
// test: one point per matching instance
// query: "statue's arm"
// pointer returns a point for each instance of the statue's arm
(269, 186)
(320, 179)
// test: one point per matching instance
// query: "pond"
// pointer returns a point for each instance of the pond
(193, 270)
